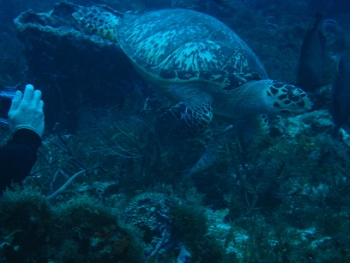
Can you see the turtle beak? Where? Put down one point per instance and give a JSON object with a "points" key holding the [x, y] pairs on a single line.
{"points": [[303, 102]]}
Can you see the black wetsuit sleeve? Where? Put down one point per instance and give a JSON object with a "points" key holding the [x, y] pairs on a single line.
{"points": [[18, 157]]}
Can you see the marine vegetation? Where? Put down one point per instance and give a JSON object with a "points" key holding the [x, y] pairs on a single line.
{"points": [[111, 185], [82, 230]]}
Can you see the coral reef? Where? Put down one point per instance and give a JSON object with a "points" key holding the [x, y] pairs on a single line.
{"points": [[82, 230], [109, 187], [64, 72]]}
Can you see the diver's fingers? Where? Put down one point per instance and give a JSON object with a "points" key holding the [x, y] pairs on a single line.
{"points": [[16, 101], [36, 97], [40, 105], [28, 93]]}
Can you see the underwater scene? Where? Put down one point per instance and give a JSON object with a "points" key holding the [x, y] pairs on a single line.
{"points": [[180, 131]]}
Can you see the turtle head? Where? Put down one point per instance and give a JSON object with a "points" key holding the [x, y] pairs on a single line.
{"points": [[98, 20], [287, 98]]}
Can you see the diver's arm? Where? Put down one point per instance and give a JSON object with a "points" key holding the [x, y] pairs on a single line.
{"points": [[18, 157], [26, 123]]}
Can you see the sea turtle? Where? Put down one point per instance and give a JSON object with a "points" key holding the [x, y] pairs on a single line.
{"points": [[197, 61]]}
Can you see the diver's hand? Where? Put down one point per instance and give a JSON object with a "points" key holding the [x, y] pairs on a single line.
{"points": [[27, 112]]}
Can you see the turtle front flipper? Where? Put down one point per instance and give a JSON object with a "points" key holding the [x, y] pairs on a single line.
{"points": [[193, 114], [187, 120], [256, 126]]}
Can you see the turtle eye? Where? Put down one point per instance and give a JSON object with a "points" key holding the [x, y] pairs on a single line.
{"points": [[293, 95]]}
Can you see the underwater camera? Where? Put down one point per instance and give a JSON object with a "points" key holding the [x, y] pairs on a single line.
{"points": [[6, 95]]}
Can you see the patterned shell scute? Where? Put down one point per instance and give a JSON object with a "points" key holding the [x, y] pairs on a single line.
{"points": [[179, 45]]}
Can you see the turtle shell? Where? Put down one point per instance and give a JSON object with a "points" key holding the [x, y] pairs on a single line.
{"points": [[179, 45]]}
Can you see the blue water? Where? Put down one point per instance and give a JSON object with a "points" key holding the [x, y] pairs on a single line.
{"points": [[143, 192]]}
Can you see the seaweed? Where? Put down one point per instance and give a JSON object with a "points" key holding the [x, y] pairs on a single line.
{"points": [[81, 230]]}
